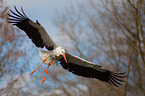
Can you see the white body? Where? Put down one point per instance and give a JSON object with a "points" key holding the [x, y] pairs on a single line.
{"points": [[53, 55]]}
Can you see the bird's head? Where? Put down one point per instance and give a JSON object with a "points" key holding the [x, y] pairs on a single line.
{"points": [[59, 51]]}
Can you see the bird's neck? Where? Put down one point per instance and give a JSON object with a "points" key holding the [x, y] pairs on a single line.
{"points": [[56, 53]]}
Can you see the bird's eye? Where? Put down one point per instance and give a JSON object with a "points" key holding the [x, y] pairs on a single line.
{"points": [[62, 51]]}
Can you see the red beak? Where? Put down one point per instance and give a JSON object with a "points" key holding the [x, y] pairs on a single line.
{"points": [[64, 57]]}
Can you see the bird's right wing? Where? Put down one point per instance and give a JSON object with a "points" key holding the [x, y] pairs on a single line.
{"points": [[35, 31], [88, 69]]}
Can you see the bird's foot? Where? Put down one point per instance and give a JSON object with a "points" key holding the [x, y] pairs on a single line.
{"points": [[32, 72], [42, 81], [46, 73]]}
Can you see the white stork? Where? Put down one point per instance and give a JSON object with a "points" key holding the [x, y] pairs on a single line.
{"points": [[72, 63]]}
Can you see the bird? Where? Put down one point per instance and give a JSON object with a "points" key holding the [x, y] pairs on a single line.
{"points": [[78, 66]]}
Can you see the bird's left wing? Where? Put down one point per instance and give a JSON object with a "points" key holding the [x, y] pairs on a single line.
{"points": [[88, 69], [35, 31]]}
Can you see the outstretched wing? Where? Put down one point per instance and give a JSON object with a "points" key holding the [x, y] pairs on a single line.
{"points": [[35, 31], [88, 69]]}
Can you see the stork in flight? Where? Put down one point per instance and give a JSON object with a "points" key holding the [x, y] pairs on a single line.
{"points": [[72, 63]]}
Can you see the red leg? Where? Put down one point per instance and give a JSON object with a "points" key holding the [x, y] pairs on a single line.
{"points": [[46, 73], [51, 62], [38, 66]]}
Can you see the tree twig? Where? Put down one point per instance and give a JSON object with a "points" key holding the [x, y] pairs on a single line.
{"points": [[128, 70]]}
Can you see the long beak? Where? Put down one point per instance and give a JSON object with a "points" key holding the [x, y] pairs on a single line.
{"points": [[64, 57]]}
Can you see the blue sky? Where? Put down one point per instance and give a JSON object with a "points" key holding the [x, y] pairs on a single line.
{"points": [[43, 10]]}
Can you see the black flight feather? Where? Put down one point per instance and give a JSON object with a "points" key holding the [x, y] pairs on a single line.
{"points": [[84, 68], [35, 31]]}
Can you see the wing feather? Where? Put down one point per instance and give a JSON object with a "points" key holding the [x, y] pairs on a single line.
{"points": [[35, 31], [88, 69]]}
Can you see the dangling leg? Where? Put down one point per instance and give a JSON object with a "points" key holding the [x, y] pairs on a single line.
{"points": [[38, 66], [46, 73]]}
